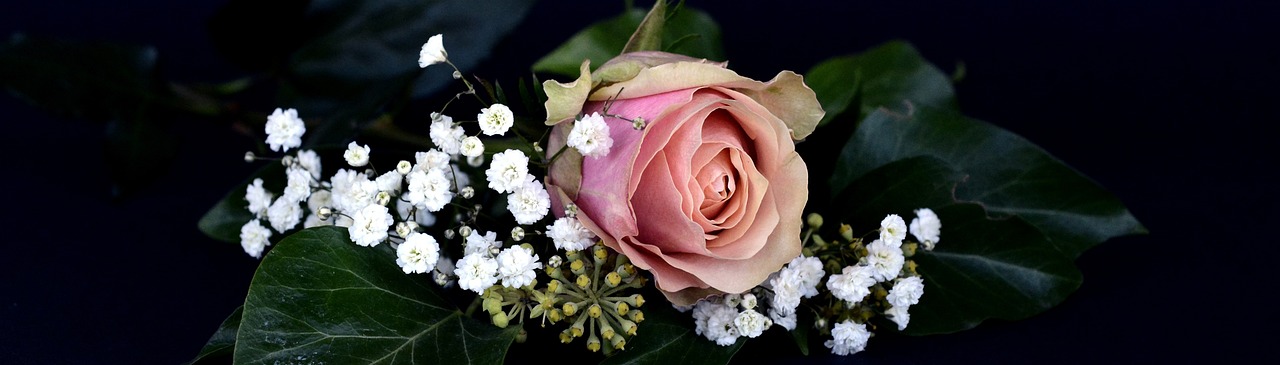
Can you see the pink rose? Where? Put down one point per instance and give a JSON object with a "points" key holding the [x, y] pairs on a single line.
{"points": [[708, 197]]}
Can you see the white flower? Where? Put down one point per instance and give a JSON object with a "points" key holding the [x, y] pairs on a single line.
{"points": [[809, 272], [284, 214], [284, 130], [749, 301], [352, 190], [418, 254], [259, 198], [517, 266], [477, 272], [254, 238], [568, 234], [751, 323], [787, 321], [298, 187], [432, 52], [404, 167], [786, 292], [444, 134], [529, 203], [508, 171], [421, 217], [885, 259], [356, 155], [369, 226], [475, 161], [390, 182], [926, 227], [309, 160], [848, 338], [431, 160], [495, 120], [472, 147], [480, 242], [898, 315], [906, 291], [429, 190], [319, 199], [590, 136], [852, 284], [715, 321], [893, 230]]}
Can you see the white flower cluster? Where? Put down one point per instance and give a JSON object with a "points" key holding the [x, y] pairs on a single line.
{"points": [[718, 319]]}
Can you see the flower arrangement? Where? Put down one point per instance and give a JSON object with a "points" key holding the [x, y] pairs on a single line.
{"points": [[647, 195]]}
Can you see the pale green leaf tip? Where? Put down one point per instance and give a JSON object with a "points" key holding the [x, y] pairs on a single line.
{"points": [[564, 101], [648, 36]]}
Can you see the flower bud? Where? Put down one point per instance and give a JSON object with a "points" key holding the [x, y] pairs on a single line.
{"points": [[606, 330], [846, 232], [555, 261], [814, 220], [517, 233], [500, 319], [475, 161], [594, 310], [618, 342], [467, 192], [404, 167], [522, 336], [325, 213], [448, 234], [383, 198], [638, 123], [464, 231], [636, 316], [566, 336], [583, 281], [622, 308], [612, 279], [286, 160], [570, 309], [457, 75], [249, 156]]}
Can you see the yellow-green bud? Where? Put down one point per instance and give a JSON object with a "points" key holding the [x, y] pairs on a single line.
{"points": [[600, 253], [911, 267], [570, 308], [846, 232], [909, 249], [583, 281], [636, 316], [880, 293], [522, 336], [814, 220], [578, 267], [628, 326], [594, 311], [555, 315], [553, 286], [566, 336], [606, 330], [619, 343], [492, 305], [622, 308], [593, 343], [637, 300], [578, 327], [613, 279], [500, 319]]}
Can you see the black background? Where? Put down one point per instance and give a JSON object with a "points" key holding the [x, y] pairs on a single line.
{"points": [[1163, 103]]}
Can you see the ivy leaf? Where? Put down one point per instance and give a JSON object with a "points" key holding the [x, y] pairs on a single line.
{"points": [[223, 221], [893, 75], [1007, 174], [319, 298], [982, 268], [686, 31], [667, 337], [222, 345]]}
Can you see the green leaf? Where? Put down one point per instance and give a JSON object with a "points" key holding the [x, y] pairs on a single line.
{"points": [[893, 76], [982, 268], [667, 337], [222, 345], [318, 298], [648, 35], [1007, 174], [223, 221], [686, 31]]}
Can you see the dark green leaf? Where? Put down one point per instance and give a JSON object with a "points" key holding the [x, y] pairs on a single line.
{"points": [[898, 188], [223, 221], [687, 31], [318, 298], [648, 35], [892, 76], [667, 337], [223, 343], [1007, 174]]}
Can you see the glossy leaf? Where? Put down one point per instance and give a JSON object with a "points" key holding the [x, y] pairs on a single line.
{"points": [[686, 31], [223, 343], [1007, 174], [318, 298], [893, 76], [982, 267], [667, 337], [223, 221]]}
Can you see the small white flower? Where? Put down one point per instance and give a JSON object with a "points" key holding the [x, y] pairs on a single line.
{"points": [[926, 227], [432, 52], [429, 190], [885, 260], [893, 230], [590, 136], [751, 323], [906, 292], [568, 234], [259, 198], [517, 266], [898, 315], [352, 191], [786, 292], [298, 187], [787, 321], [508, 171], [444, 134], [309, 160], [369, 226], [495, 120], [404, 167], [431, 160], [477, 272], [809, 272], [715, 321], [848, 338], [529, 203], [749, 301], [418, 254], [284, 214], [254, 238], [480, 242], [390, 182], [284, 130], [852, 284], [472, 147], [356, 155]]}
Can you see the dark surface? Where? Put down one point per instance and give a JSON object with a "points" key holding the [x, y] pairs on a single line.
{"points": [[1162, 104]]}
